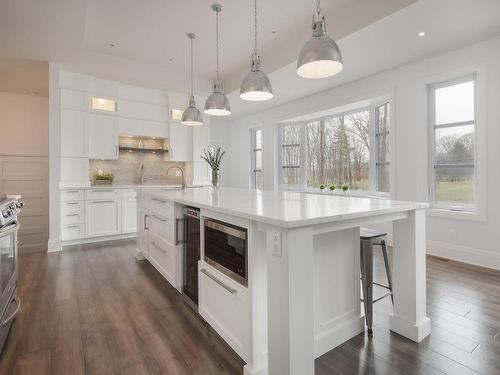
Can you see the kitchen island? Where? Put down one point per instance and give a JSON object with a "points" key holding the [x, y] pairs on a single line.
{"points": [[302, 297]]}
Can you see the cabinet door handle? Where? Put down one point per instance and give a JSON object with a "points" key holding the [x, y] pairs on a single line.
{"points": [[159, 218], [158, 200], [146, 222], [101, 190], [158, 247], [116, 150], [107, 201], [228, 288], [177, 240]]}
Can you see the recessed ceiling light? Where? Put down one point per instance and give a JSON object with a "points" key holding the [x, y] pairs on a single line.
{"points": [[170, 60], [274, 31], [112, 44], [421, 34]]}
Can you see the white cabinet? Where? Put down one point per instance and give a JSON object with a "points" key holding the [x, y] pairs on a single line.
{"points": [[102, 217], [74, 172], [141, 110], [181, 143], [143, 128], [143, 231], [103, 136], [72, 99], [129, 215], [74, 139], [225, 305]]}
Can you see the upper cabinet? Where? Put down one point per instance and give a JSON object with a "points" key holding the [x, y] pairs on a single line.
{"points": [[76, 100], [181, 143], [103, 136], [74, 137]]}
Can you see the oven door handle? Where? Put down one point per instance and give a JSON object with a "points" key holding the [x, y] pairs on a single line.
{"points": [[9, 229], [14, 313], [215, 279]]}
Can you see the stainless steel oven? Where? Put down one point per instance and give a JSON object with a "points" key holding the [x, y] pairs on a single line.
{"points": [[9, 301], [226, 249]]}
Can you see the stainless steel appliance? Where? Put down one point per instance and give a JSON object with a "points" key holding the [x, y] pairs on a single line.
{"points": [[226, 249], [191, 255], [9, 301]]}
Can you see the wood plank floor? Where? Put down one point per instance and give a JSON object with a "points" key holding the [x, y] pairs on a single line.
{"points": [[94, 309]]}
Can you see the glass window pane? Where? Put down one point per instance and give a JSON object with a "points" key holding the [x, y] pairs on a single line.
{"points": [[455, 103], [291, 155], [258, 159], [455, 186], [383, 118], [383, 147], [258, 138], [291, 176], [315, 158], [455, 145], [258, 180], [290, 135], [383, 178]]}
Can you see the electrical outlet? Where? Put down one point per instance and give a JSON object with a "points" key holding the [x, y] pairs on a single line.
{"points": [[277, 243]]}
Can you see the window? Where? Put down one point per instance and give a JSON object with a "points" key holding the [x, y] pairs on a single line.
{"points": [[102, 104], [290, 155], [336, 150], [382, 144], [452, 123], [257, 181]]}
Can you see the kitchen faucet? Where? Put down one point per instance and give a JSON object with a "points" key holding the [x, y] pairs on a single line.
{"points": [[182, 174]]}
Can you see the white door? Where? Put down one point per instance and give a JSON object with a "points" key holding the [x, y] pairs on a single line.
{"points": [[74, 134], [181, 143], [102, 217], [129, 215], [103, 136]]}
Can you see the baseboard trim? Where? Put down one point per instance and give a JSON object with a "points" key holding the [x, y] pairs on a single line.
{"points": [[477, 257], [54, 246], [326, 341], [98, 239]]}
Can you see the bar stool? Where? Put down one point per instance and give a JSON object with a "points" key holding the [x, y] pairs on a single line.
{"points": [[369, 238]]}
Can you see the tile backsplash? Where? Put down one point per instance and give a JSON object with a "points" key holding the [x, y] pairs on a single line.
{"points": [[126, 169]]}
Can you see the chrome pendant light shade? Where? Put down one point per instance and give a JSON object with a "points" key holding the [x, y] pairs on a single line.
{"points": [[256, 86], [320, 57], [217, 103], [191, 115]]}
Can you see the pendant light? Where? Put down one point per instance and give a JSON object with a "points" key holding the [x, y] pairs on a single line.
{"points": [[191, 115], [217, 103], [256, 86], [320, 57]]}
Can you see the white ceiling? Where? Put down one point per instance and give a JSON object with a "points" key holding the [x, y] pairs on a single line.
{"points": [[374, 35]]}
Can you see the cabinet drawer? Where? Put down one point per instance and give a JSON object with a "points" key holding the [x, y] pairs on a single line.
{"points": [[162, 206], [225, 305], [76, 207], [72, 231], [93, 194], [72, 195], [163, 255], [162, 227], [129, 193], [73, 218]]}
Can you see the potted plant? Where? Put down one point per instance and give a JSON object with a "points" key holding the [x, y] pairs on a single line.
{"points": [[214, 159], [345, 188], [332, 188], [321, 187], [103, 178]]}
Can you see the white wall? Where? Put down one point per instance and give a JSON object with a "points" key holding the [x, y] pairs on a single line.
{"points": [[466, 240]]}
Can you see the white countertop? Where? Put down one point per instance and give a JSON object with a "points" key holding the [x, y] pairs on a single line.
{"points": [[135, 187], [284, 208]]}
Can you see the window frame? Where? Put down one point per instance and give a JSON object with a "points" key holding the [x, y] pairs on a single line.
{"points": [[303, 149], [376, 143], [253, 157], [460, 210]]}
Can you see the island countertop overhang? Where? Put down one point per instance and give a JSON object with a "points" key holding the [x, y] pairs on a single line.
{"points": [[284, 208]]}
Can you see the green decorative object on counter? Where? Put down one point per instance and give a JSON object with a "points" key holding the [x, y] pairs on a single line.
{"points": [[322, 187], [103, 178], [214, 158], [345, 188], [332, 187]]}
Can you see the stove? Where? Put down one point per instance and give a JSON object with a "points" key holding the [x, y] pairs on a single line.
{"points": [[10, 207]]}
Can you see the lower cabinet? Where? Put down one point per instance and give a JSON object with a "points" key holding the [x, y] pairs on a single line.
{"points": [[143, 231], [225, 305], [102, 217], [129, 215], [162, 255]]}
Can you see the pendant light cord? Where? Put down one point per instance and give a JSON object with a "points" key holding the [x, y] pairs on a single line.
{"points": [[217, 37], [255, 28], [191, 66], [318, 7]]}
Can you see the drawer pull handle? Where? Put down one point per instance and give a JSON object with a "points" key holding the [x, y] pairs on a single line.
{"points": [[146, 222], [72, 203], [102, 191], [158, 247], [178, 239], [159, 218], [106, 201], [73, 226], [73, 191], [158, 200], [229, 289], [73, 215]]}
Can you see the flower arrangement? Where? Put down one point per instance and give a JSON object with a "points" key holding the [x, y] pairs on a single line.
{"points": [[214, 158], [104, 178]]}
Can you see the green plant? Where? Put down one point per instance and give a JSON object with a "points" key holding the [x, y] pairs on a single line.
{"points": [[345, 187], [332, 187], [213, 157], [104, 177], [321, 187]]}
